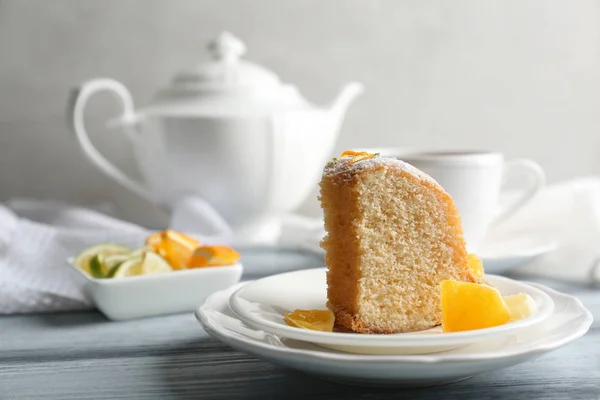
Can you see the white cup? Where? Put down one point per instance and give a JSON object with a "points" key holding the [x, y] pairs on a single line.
{"points": [[474, 179]]}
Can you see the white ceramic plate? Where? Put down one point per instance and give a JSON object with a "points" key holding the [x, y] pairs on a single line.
{"points": [[262, 304], [569, 321], [152, 295]]}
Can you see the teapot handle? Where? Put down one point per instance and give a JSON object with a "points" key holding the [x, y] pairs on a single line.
{"points": [[76, 107]]}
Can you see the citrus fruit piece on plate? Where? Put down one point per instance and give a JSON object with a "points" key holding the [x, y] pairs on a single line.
{"points": [[154, 264], [476, 265], [468, 306], [131, 267], [520, 305], [210, 256], [84, 258], [315, 320], [176, 248]]}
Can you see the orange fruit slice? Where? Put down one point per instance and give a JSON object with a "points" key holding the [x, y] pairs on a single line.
{"points": [[476, 265], [357, 155], [211, 256], [316, 320], [467, 306], [175, 247]]}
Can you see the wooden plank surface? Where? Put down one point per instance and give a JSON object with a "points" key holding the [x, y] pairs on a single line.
{"points": [[84, 356]]}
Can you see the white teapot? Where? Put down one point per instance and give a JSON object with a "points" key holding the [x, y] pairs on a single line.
{"points": [[228, 131]]}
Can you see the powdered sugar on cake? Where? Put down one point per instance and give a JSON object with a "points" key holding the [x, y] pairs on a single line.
{"points": [[345, 168]]}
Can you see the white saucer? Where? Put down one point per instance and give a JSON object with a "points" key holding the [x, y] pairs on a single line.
{"points": [[262, 304], [501, 254], [569, 321]]}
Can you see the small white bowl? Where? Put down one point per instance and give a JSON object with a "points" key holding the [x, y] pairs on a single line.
{"points": [[159, 294]]}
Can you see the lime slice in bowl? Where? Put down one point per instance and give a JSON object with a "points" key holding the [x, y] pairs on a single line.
{"points": [[83, 260], [114, 259], [151, 263], [155, 264], [130, 267], [97, 266]]}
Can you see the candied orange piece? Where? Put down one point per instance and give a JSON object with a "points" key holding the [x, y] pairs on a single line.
{"points": [[155, 239], [175, 247], [210, 256], [316, 320], [352, 153], [467, 306], [358, 155], [476, 265]]}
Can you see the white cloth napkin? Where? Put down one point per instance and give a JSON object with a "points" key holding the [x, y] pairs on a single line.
{"points": [[568, 213], [36, 237], [35, 240]]}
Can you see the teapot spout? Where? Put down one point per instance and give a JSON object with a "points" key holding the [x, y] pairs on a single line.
{"points": [[349, 92]]}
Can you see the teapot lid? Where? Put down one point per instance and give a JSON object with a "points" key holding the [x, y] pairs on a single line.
{"points": [[226, 85], [225, 70]]}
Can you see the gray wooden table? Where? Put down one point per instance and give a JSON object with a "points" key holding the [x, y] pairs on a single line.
{"points": [[84, 356]]}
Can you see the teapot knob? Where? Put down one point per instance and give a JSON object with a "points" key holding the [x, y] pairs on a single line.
{"points": [[227, 47]]}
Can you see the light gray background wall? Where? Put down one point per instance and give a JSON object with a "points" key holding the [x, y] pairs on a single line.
{"points": [[519, 76]]}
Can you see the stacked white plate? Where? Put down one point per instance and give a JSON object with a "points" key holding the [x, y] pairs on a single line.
{"points": [[249, 317]]}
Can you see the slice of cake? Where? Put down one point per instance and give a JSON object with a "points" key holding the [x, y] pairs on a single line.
{"points": [[393, 234]]}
